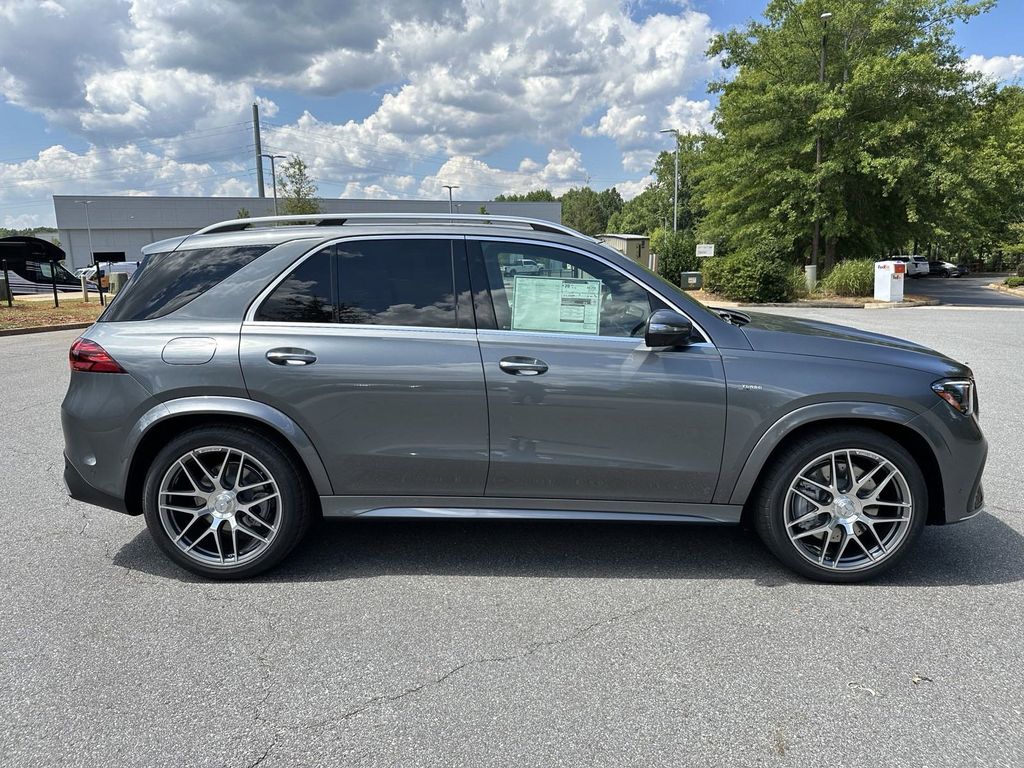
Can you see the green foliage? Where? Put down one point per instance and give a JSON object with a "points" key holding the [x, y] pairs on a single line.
{"points": [[1014, 282], [298, 189], [483, 210], [536, 196], [641, 215], [747, 276], [676, 253], [243, 213], [797, 283], [855, 277], [898, 114], [588, 211]]}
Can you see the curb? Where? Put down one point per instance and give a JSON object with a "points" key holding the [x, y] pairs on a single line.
{"points": [[43, 329], [1005, 289]]}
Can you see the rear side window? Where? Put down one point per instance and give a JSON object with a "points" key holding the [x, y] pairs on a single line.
{"points": [[396, 282], [305, 296], [168, 281]]}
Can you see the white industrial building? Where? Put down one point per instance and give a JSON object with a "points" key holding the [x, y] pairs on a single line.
{"points": [[122, 225]]}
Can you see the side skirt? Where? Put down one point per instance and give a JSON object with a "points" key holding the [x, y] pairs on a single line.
{"points": [[525, 509]]}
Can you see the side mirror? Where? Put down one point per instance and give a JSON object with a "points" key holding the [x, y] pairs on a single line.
{"points": [[666, 328]]}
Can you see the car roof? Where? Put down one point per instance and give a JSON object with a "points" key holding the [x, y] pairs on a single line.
{"points": [[266, 230]]}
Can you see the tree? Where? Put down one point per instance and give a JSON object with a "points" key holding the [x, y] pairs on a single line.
{"points": [[584, 209], [298, 189], [535, 196], [896, 98]]}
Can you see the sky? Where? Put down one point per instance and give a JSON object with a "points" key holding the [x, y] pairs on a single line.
{"points": [[382, 98]]}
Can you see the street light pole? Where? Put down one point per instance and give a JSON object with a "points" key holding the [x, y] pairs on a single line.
{"points": [[450, 187], [675, 190], [92, 257], [816, 238], [273, 175]]}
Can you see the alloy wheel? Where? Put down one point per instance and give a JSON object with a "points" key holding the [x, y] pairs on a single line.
{"points": [[220, 506], [848, 510]]}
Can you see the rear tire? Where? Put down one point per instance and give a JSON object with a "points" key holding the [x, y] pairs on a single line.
{"points": [[842, 505], [226, 502]]}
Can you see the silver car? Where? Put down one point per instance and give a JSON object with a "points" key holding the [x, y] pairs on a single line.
{"points": [[254, 377]]}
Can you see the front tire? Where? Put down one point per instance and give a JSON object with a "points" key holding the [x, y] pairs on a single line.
{"points": [[226, 502], [842, 505]]}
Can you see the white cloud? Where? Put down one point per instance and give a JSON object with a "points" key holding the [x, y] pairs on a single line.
{"points": [[998, 68]]}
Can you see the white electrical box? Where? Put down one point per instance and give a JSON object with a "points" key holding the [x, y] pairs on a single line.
{"points": [[889, 278]]}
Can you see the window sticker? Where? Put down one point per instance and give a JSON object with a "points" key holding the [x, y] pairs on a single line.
{"points": [[557, 304]]}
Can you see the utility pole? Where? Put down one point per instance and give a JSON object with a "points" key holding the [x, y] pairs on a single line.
{"points": [[816, 238], [675, 192], [450, 187], [259, 149], [273, 176]]}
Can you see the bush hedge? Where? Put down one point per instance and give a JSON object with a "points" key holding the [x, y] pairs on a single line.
{"points": [[855, 277], [747, 276], [1015, 282]]}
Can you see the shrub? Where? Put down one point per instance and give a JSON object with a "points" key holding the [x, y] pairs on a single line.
{"points": [[676, 253], [798, 283], [1020, 269], [746, 276], [1014, 282], [855, 277]]}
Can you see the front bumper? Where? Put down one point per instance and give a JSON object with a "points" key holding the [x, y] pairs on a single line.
{"points": [[961, 451]]}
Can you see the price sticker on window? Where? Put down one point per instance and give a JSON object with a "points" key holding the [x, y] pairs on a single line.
{"points": [[556, 304]]}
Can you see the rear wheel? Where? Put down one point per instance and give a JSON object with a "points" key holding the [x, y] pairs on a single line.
{"points": [[843, 505], [226, 502]]}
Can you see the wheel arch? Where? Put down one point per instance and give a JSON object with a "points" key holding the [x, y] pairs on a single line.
{"points": [[888, 420], [162, 423]]}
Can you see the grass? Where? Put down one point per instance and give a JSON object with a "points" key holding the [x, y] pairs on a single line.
{"points": [[31, 313]]}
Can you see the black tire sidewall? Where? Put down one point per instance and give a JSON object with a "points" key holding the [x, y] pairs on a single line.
{"points": [[296, 501], [770, 504]]}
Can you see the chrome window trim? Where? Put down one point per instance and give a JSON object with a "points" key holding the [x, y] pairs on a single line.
{"points": [[249, 319]]}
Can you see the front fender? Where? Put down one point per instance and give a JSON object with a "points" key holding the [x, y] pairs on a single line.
{"points": [[736, 492], [237, 407]]}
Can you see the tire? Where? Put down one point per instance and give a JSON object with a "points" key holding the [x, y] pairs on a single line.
{"points": [[883, 536], [198, 475]]}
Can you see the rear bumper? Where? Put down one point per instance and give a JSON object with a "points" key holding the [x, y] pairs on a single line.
{"points": [[80, 490]]}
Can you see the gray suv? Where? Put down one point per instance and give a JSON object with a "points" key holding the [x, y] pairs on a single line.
{"points": [[254, 377]]}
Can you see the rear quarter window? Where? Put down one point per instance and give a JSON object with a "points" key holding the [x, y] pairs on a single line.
{"points": [[165, 282]]}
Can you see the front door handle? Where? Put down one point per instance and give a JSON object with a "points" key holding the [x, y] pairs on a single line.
{"points": [[291, 356], [523, 366]]}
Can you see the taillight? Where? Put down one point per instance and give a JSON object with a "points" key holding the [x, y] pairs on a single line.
{"points": [[89, 356]]}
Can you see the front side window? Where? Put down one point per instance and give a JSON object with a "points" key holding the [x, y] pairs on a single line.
{"points": [[396, 282], [306, 295], [538, 288]]}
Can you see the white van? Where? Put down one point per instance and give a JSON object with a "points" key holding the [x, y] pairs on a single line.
{"points": [[109, 267], [917, 266]]}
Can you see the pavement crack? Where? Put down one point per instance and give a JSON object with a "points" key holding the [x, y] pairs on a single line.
{"points": [[526, 652]]}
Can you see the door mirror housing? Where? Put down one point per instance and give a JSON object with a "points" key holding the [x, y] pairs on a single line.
{"points": [[667, 328]]}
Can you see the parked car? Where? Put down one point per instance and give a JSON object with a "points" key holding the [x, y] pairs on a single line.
{"points": [[947, 269], [253, 377], [521, 266], [107, 268], [917, 266]]}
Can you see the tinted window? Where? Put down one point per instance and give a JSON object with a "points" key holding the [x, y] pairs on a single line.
{"points": [[538, 288], [168, 281], [396, 282], [305, 296]]}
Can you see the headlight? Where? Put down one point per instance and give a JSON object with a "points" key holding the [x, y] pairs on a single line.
{"points": [[959, 393]]}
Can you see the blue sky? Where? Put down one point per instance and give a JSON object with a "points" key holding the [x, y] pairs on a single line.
{"points": [[388, 98]]}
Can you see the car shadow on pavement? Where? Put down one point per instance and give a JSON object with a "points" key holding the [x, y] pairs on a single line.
{"points": [[981, 551]]}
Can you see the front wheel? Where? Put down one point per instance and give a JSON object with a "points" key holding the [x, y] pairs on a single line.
{"points": [[843, 505], [226, 502]]}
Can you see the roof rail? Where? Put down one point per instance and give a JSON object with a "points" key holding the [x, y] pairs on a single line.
{"points": [[339, 219]]}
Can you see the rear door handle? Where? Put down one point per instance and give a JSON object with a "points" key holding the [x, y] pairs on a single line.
{"points": [[523, 366], [291, 356]]}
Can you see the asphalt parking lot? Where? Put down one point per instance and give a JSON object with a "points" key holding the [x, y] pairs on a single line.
{"points": [[518, 644], [970, 291]]}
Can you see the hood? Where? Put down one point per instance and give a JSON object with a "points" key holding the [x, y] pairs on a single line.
{"points": [[797, 336]]}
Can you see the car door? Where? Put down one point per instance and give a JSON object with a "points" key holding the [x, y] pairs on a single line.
{"points": [[369, 348], [579, 407]]}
